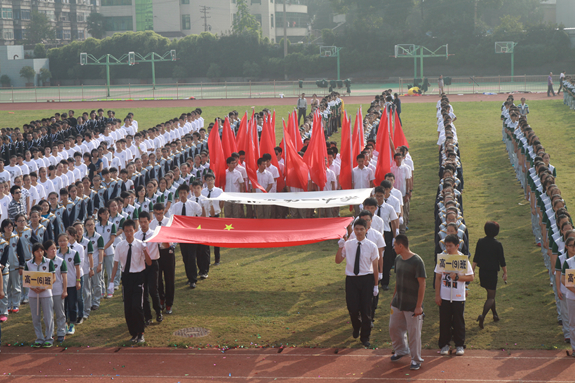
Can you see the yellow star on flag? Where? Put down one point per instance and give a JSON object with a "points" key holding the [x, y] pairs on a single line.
{"points": [[199, 227], [228, 227]]}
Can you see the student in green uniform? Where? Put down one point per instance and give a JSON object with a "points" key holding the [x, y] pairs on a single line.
{"points": [[59, 290], [41, 298], [72, 259], [98, 244], [108, 231]]}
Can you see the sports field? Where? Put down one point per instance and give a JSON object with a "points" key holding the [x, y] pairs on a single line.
{"points": [[295, 296]]}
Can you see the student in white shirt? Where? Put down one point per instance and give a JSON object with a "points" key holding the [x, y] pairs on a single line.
{"points": [[266, 181], [211, 208], [362, 177]]}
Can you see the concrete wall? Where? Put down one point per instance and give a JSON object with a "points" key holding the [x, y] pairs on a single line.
{"points": [[10, 66], [565, 13]]}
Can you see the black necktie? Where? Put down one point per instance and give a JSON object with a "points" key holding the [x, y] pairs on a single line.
{"points": [[209, 193], [197, 199], [129, 259], [143, 237], [379, 211], [183, 208], [356, 265]]}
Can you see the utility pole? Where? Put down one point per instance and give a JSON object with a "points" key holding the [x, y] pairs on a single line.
{"points": [[204, 10], [285, 34]]}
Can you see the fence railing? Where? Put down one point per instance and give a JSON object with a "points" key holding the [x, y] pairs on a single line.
{"points": [[270, 89]]}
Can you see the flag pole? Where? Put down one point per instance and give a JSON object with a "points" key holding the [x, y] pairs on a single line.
{"points": [[285, 151]]}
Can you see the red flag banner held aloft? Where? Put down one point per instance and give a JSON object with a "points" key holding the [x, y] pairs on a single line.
{"points": [[217, 156], [316, 153], [399, 137], [252, 158], [356, 140], [241, 137], [267, 145], [250, 233], [296, 169], [228, 140], [384, 159], [345, 153]]}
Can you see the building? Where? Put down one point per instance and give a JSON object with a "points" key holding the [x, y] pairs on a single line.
{"points": [[68, 17], [560, 12], [12, 60], [179, 18]]}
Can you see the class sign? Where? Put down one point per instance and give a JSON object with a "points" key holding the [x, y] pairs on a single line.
{"points": [[570, 278], [452, 263], [37, 279]]}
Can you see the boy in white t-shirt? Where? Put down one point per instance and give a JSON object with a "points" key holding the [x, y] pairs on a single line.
{"points": [[450, 297]]}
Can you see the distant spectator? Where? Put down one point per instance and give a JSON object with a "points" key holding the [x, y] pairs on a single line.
{"points": [[550, 84]]}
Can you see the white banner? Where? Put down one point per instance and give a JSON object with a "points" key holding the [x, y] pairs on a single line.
{"points": [[302, 200]]}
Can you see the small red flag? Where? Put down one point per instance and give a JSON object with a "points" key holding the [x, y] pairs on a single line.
{"points": [[296, 169], [345, 153], [217, 156], [384, 159], [252, 160], [399, 137], [316, 153], [228, 140]]}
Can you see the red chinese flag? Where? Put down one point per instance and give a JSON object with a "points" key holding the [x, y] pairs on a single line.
{"points": [[273, 125], [217, 156], [316, 154], [361, 133], [384, 159], [252, 160], [250, 233], [294, 132], [228, 140], [296, 170], [345, 153], [399, 137]]}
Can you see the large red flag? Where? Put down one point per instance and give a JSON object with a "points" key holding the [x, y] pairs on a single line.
{"points": [[357, 147], [294, 131], [296, 170], [345, 153], [252, 161], [384, 159], [316, 153], [228, 140], [273, 125], [267, 145], [399, 137], [217, 156], [250, 233]]}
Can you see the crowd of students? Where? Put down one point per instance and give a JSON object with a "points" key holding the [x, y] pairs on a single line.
{"points": [[551, 223], [75, 190]]}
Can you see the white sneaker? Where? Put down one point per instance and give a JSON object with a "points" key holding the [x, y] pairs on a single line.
{"points": [[445, 350], [460, 351]]}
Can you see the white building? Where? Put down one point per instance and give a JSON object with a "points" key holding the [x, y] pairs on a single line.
{"points": [[178, 18], [12, 60]]}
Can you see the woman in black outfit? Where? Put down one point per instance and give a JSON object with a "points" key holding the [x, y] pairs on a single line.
{"points": [[489, 257]]}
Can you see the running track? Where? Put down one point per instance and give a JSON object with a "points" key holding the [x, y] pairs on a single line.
{"points": [[81, 105], [141, 364]]}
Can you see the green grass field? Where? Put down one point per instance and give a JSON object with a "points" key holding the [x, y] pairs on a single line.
{"points": [[295, 296]]}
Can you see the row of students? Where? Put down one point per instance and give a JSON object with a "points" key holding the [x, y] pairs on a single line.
{"points": [[551, 223]]}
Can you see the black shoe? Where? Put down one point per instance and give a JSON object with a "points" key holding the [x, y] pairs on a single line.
{"points": [[480, 320], [187, 283], [94, 308], [567, 340], [80, 320], [159, 318], [134, 339], [147, 322], [193, 286], [366, 343], [495, 318], [355, 333], [140, 339], [560, 322], [216, 264], [415, 366], [385, 287], [396, 357]]}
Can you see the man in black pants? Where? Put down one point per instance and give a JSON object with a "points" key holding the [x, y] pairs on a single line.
{"points": [[301, 108], [361, 278], [151, 273], [190, 251], [131, 253], [167, 263]]}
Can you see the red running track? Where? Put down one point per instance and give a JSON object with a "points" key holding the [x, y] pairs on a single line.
{"points": [[141, 364]]}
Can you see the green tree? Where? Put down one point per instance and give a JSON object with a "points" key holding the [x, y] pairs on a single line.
{"points": [[252, 70], [179, 72], [28, 73], [244, 21], [40, 29], [214, 72], [44, 75], [510, 27], [328, 37], [39, 51], [96, 25], [5, 80]]}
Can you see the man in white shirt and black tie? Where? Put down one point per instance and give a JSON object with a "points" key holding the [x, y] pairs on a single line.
{"points": [[212, 208], [390, 228], [151, 273], [361, 278], [133, 256], [189, 251], [361, 177], [167, 262]]}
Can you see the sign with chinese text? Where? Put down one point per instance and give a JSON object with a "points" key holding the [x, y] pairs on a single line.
{"points": [[570, 278], [452, 263], [37, 279]]}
